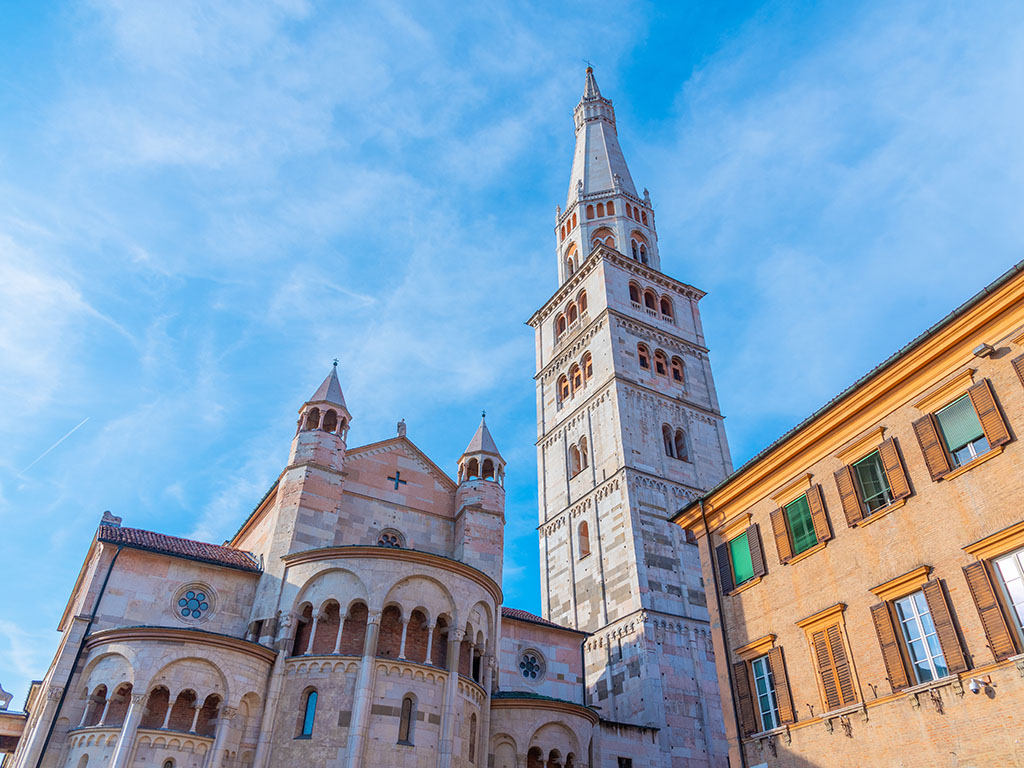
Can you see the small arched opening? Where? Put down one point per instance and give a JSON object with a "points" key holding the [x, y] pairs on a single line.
{"points": [[679, 443], [677, 370], [330, 421], [666, 307], [583, 539], [584, 460], [634, 293], [353, 631], [574, 461], [590, 211], [183, 712], [587, 364], [157, 707], [563, 388], [302, 630], [667, 439], [576, 376], [313, 418], [488, 472], [389, 642], [650, 300], [600, 210], [611, 208], [660, 363], [405, 720], [643, 355], [308, 715]]}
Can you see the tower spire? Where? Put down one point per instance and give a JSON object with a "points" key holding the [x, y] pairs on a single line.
{"points": [[603, 206]]}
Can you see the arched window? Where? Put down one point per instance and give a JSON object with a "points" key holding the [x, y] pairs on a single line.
{"points": [[405, 723], [636, 213], [666, 307], [588, 367], [488, 469], [677, 370], [563, 231], [643, 216], [643, 253], [569, 267], [660, 363], [574, 314], [634, 293], [581, 301], [563, 388], [584, 461], [666, 436], [330, 421], [560, 325], [609, 241], [600, 210], [308, 715], [650, 300], [85, 761], [590, 211], [636, 251], [167, 764], [611, 208], [574, 461], [574, 220], [576, 375], [472, 738], [583, 538], [643, 356], [680, 445], [313, 418]]}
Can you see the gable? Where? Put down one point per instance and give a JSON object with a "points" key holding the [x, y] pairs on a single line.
{"points": [[398, 472]]}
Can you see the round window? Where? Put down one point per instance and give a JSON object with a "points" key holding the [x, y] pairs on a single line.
{"points": [[531, 665], [389, 539], [193, 602]]}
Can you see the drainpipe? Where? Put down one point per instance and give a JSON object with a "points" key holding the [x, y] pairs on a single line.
{"points": [[78, 657], [721, 622]]}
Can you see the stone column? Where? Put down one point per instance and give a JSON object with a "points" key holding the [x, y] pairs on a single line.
{"points": [[405, 633], [126, 740], [167, 714], [430, 643], [444, 754], [483, 741], [341, 627], [364, 694], [35, 740], [224, 718], [312, 633], [266, 732], [195, 716], [106, 708]]}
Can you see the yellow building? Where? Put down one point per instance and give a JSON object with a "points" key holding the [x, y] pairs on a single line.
{"points": [[869, 565]]}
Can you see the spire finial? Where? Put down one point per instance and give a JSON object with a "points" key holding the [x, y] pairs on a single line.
{"points": [[335, 362], [483, 415]]}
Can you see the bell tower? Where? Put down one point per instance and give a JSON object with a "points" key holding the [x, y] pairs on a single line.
{"points": [[629, 431]]}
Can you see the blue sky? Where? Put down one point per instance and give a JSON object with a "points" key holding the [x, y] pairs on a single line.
{"points": [[202, 204]]}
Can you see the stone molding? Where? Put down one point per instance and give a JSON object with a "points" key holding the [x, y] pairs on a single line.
{"points": [[550, 705], [174, 635], [658, 337], [406, 555]]}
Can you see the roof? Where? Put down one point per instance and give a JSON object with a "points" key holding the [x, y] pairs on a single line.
{"points": [[530, 695], [598, 158], [482, 441], [161, 543], [330, 390], [520, 615], [899, 354]]}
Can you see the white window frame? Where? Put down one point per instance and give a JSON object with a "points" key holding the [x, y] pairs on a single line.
{"points": [[761, 669], [915, 618], [1014, 559]]}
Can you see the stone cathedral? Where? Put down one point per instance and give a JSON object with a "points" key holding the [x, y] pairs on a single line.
{"points": [[356, 618]]}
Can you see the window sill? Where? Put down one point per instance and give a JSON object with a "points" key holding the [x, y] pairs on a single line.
{"points": [[917, 693], [763, 736], [744, 586], [990, 454], [807, 553], [832, 715], [880, 513], [583, 557]]}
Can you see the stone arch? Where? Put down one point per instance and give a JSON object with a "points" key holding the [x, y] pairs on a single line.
{"points": [[201, 676], [313, 418], [339, 583], [110, 669], [420, 591], [555, 735], [503, 747], [330, 420]]}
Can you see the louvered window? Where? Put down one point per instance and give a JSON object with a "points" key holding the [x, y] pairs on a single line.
{"points": [[739, 554], [874, 486], [921, 637], [962, 431], [764, 689], [1011, 573], [801, 527]]}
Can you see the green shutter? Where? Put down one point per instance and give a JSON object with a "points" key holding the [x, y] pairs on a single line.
{"points": [[801, 525], [959, 423], [742, 565]]}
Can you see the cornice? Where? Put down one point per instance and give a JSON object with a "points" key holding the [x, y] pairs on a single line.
{"points": [[899, 382], [403, 555], [178, 635], [549, 705], [656, 335]]}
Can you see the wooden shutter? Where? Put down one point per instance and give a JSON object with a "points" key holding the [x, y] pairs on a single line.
{"points": [[897, 476], [756, 552], [984, 401], [786, 712], [852, 507], [826, 671], [781, 531], [744, 698], [891, 655], [935, 456], [1018, 366], [944, 627], [844, 672], [1000, 638], [818, 516], [725, 580]]}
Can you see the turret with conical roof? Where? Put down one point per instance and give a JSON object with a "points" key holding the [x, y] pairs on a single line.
{"points": [[323, 425], [480, 504], [603, 206]]}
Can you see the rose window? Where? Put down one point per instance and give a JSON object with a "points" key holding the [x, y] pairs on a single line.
{"points": [[389, 540], [531, 665], [193, 603]]}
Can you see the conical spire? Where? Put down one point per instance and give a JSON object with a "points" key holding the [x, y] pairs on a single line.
{"points": [[330, 390], [482, 441], [590, 89]]}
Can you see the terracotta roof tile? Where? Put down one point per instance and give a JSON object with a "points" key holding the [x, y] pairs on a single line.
{"points": [[521, 615], [172, 545]]}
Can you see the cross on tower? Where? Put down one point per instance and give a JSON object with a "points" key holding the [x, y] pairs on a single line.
{"points": [[398, 479]]}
